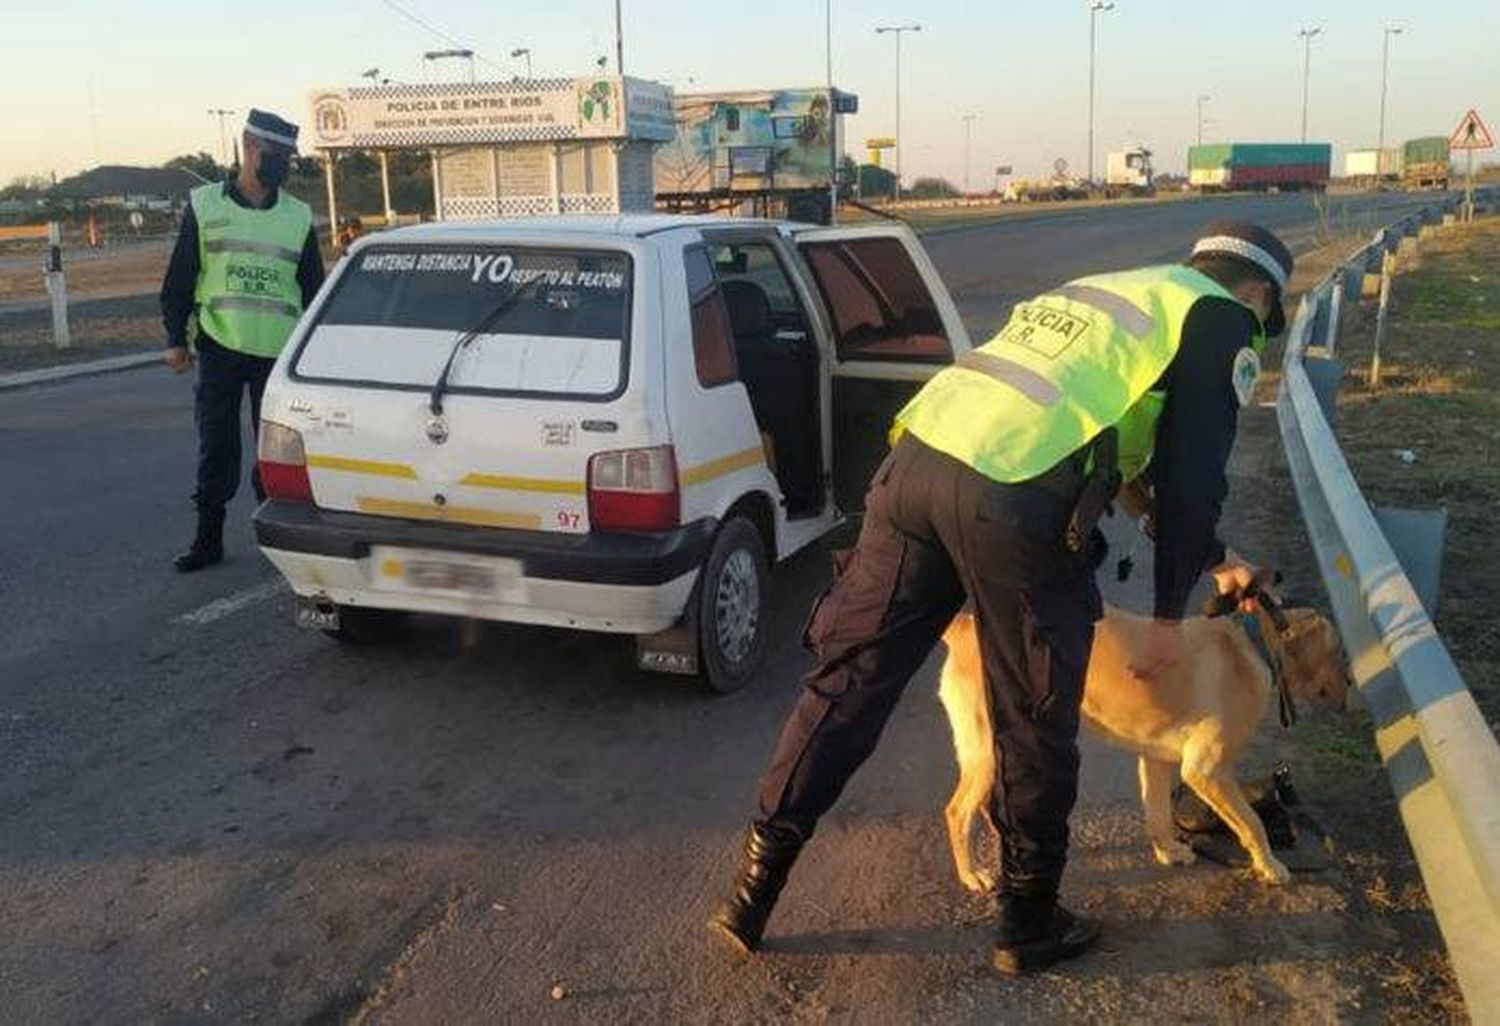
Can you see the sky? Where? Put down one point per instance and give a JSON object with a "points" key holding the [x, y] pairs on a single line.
{"points": [[85, 82]]}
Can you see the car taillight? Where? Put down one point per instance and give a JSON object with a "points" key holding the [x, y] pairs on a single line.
{"points": [[283, 463], [634, 490]]}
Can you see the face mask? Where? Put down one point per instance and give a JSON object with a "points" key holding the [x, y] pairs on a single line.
{"points": [[273, 168]]}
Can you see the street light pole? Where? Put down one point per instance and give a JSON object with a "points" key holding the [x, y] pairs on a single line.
{"points": [[524, 51], [1385, 61], [898, 30], [833, 117], [1202, 99], [1095, 8], [1307, 38], [468, 55], [221, 114], [969, 120]]}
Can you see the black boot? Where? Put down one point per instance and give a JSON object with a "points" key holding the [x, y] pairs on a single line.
{"points": [[1035, 931], [769, 854], [208, 544]]}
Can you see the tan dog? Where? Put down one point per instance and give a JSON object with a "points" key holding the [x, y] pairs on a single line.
{"points": [[1200, 715]]}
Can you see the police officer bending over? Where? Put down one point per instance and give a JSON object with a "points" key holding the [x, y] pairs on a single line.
{"points": [[1001, 466], [247, 263]]}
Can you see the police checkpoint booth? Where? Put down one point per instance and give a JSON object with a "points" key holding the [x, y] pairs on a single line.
{"points": [[520, 148]]}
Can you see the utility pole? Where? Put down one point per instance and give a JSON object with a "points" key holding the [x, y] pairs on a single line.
{"points": [[222, 113], [898, 30], [1202, 99], [619, 42], [1307, 38], [969, 120], [1096, 7], [1385, 62]]}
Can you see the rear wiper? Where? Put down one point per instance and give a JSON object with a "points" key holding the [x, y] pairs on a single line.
{"points": [[435, 402]]}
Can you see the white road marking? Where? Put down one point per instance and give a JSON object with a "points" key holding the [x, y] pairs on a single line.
{"points": [[230, 604]]}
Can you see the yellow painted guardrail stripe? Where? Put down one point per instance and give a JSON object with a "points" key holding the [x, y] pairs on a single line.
{"points": [[354, 466], [448, 514], [723, 465], [524, 484]]}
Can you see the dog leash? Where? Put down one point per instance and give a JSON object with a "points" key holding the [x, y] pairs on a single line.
{"points": [[1223, 605], [1250, 624]]}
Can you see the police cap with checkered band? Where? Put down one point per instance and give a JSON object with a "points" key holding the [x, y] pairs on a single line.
{"points": [[1261, 249]]}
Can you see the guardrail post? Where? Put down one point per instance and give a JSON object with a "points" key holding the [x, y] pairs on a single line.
{"points": [[1335, 312], [57, 287], [1386, 267]]}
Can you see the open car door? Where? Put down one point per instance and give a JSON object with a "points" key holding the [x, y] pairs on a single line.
{"points": [[894, 326]]}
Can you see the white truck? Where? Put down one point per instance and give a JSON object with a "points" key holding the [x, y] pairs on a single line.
{"points": [[1128, 173]]}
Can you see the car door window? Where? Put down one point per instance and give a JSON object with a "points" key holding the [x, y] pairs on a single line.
{"points": [[882, 309], [713, 340]]}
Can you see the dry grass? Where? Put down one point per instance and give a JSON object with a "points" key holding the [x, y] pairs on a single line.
{"points": [[1439, 403]]}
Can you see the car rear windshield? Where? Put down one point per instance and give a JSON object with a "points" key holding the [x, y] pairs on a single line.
{"points": [[556, 321]]}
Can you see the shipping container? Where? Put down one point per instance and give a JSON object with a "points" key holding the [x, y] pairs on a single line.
{"points": [[1426, 162], [1260, 166]]}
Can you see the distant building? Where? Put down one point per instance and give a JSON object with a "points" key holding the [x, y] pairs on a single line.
{"points": [[133, 188]]}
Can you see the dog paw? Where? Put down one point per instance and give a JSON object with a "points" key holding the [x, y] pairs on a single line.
{"points": [[1273, 871], [980, 881], [1174, 853]]}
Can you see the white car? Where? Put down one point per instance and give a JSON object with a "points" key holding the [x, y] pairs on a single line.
{"points": [[608, 423]]}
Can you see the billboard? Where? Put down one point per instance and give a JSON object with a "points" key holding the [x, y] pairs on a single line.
{"points": [[752, 141], [455, 114]]}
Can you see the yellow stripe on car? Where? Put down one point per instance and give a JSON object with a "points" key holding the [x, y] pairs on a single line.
{"points": [[524, 484], [448, 514], [723, 465], [354, 466]]}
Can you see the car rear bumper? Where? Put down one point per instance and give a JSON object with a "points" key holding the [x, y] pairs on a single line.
{"points": [[608, 582]]}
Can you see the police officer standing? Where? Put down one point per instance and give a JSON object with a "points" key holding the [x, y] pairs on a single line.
{"points": [[247, 264], [1002, 464]]}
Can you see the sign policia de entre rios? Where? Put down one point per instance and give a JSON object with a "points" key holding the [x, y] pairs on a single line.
{"points": [[448, 114]]}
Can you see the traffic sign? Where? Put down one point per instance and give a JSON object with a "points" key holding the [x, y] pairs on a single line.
{"points": [[1471, 134]]}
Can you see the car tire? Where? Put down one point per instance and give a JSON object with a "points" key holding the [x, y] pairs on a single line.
{"points": [[364, 626], [733, 601]]}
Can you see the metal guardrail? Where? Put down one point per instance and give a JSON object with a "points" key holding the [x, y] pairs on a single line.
{"points": [[1440, 755]]}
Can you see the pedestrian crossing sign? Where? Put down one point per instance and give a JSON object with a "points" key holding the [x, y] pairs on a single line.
{"points": [[1471, 134]]}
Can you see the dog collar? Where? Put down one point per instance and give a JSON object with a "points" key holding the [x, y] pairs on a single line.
{"points": [[1250, 623]]}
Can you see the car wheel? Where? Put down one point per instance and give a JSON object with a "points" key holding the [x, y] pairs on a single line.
{"points": [[733, 598], [361, 625]]}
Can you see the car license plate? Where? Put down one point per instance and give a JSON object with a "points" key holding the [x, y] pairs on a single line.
{"points": [[449, 572], [435, 576], [318, 616]]}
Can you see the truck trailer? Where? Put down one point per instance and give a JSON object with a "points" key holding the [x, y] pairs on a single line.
{"points": [[1221, 167], [1425, 162]]}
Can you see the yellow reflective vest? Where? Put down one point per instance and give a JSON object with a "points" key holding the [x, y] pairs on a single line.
{"points": [[1067, 365], [247, 294]]}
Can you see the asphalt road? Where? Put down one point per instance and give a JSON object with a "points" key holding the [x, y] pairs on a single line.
{"points": [[208, 815]]}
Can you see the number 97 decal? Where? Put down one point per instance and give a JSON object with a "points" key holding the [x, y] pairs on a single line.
{"points": [[569, 519]]}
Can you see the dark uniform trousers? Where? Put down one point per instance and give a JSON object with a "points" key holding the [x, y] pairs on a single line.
{"points": [[224, 375], [934, 530]]}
